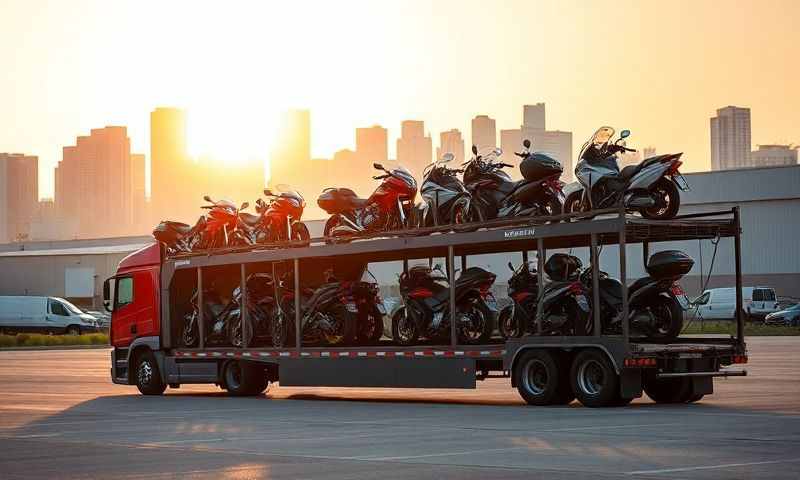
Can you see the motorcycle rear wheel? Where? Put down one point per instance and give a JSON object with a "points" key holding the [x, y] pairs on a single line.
{"points": [[573, 203], [668, 191], [346, 331], [300, 234], [669, 315]]}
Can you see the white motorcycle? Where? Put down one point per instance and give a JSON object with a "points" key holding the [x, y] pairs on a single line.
{"points": [[651, 188]]}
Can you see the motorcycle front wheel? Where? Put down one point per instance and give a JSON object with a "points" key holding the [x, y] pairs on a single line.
{"points": [[300, 234], [475, 326], [404, 328], [508, 325], [667, 191], [282, 330], [344, 331], [189, 334]]}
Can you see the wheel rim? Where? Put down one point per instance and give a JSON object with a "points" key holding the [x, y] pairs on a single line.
{"points": [[406, 327], [663, 318], [665, 197], [473, 323], [145, 373], [508, 326], [234, 376], [535, 377], [591, 377]]}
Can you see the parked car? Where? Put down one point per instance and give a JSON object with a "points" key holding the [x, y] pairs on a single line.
{"points": [[789, 316], [49, 315], [720, 303], [103, 318]]}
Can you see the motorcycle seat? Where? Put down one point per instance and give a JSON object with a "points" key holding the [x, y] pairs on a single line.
{"points": [[629, 171], [249, 219], [358, 202]]}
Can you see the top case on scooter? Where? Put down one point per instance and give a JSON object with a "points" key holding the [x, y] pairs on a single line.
{"points": [[538, 165], [669, 264], [561, 267], [337, 200]]}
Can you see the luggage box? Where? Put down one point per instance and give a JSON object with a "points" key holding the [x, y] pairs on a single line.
{"points": [[561, 267], [669, 264], [540, 165], [335, 200]]}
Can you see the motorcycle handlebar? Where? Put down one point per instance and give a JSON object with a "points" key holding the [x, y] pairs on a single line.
{"points": [[520, 154]]}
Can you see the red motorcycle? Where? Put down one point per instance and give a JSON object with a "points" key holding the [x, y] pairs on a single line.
{"points": [[224, 226], [279, 220], [386, 209]]}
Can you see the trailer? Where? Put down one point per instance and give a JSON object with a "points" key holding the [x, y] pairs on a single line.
{"points": [[150, 291]]}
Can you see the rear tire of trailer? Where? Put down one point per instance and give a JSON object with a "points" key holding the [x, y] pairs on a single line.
{"points": [[148, 376], [539, 378], [594, 380], [668, 390], [241, 379]]}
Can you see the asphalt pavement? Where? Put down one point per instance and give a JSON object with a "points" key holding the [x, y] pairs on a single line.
{"points": [[61, 417]]}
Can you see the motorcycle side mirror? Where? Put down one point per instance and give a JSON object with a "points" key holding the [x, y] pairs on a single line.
{"points": [[267, 192], [377, 166], [207, 199], [244, 205], [625, 134], [474, 150], [526, 143], [510, 266]]}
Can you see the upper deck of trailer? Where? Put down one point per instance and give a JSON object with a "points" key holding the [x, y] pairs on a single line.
{"points": [[495, 236]]}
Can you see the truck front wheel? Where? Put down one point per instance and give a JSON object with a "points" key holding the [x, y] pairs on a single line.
{"points": [[148, 377]]}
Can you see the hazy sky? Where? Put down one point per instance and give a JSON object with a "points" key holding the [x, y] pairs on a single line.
{"points": [[660, 68]]}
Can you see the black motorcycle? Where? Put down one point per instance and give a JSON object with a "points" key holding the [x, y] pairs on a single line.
{"points": [[426, 306], [261, 309], [213, 305], [497, 196], [654, 310], [445, 198], [515, 320], [563, 305], [329, 314], [370, 311], [179, 237]]}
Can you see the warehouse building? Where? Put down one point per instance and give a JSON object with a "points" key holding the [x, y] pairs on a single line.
{"points": [[769, 199]]}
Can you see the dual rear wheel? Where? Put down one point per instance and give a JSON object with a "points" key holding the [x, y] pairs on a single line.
{"points": [[545, 377]]}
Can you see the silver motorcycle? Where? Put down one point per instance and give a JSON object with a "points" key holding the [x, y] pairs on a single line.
{"points": [[651, 188]]}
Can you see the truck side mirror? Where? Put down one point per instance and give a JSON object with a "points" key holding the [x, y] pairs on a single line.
{"points": [[107, 303], [510, 266]]}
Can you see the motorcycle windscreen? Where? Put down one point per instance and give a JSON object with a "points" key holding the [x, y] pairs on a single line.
{"points": [[590, 173]]}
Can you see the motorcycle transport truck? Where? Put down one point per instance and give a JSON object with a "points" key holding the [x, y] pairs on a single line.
{"points": [[151, 294]]}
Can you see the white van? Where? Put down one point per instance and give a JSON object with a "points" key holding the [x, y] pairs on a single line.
{"points": [[720, 303], [44, 315]]}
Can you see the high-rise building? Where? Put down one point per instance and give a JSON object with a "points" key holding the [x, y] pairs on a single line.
{"points": [[772, 155], [291, 156], [174, 193], [730, 138], [94, 187], [19, 195], [141, 211], [484, 133], [510, 142], [414, 149], [533, 116], [371, 145], [451, 142]]}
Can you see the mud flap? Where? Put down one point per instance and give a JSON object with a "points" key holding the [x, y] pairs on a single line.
{"points": [[630, 383]]}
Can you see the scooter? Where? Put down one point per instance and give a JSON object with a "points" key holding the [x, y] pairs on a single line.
{"points": [[445, 198], [654, 311], [496, 195], [386, 209], [426, 306], [650, 188]]}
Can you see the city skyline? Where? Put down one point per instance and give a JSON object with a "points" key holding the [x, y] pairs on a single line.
{"points": [[235, 83]]}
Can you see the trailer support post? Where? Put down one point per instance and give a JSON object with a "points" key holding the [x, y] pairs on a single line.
{"points": [[298, 334], [451, 277], [243, 314], [737, 246], [539, 277], [463, 263], [524, 256], [646, 255], [595, 286], [623, 278], [201, 331]]}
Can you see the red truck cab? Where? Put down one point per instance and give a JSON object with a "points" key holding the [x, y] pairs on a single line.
{"points": [[132, 297]]}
